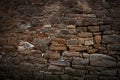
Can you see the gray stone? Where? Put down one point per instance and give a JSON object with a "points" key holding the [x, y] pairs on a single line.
{"points": [[60, 63], [51, 77], [38, 75], [102, 60], [78, 61], [92, 21], [108, 72], [74, 72], [91, 77], [105, 27], [93, 28], [53, 68], [85, 35], [111, 39], [76, 78], [64, 77], [73, 42], [114, 47], [108, 78], [81, 29]]}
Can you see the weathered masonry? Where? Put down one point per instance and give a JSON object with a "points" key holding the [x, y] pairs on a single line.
{"points": [[59, 39]]}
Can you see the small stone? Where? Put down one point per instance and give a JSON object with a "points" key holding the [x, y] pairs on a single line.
{"points": [[51, 55], [114, 47], [81, 29], [60, 63], [89, 41], [58, 47], [93, 28], [47, 26], [90, 16], [72, 42], [92, 50], [80, 61], [70, 54], [98, 39], [53, 68], [71, 26], [78, 48], [81, 41], [25, 45], [85, 35]]}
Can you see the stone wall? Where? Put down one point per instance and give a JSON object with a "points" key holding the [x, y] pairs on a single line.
{"points": [[59, 40]]}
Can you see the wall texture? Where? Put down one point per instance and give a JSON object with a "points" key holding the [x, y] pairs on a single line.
{"points": [[59, 40]]}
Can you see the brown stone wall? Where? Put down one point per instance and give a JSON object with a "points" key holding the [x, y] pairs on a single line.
{"points": [[59, 40]]}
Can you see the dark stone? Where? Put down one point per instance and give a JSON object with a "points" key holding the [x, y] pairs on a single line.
{"points": [[114, 47], [105, 27], [111, 39], [101, 60]]}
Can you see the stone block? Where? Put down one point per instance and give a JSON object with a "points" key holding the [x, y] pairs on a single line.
{"points": [[105, 27], [72, 42], [71, 26], [111, 39], [108, 78], [74, 72], [60, 63], [85, 35], [110, 72], [101, 60], [78, 48], [54, 68], [93, 28], [89, 41], [58, 47], [98, 39], [114, 47], [52, 55], [81, 29], [80, 61]]}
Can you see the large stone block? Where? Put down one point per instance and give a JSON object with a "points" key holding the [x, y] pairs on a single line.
{"points": [[111, 39], [102, 60], [114, 47]]}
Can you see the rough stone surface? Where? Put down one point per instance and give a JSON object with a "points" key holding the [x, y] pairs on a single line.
{"points": [[59, 40]]}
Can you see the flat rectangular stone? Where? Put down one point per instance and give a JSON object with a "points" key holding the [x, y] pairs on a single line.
{"points": [[89, 41], [114, 47], [105, 27], [78, 48], [93, 28], [58, 47], [85, 35], [111, 39], [72, 42]]}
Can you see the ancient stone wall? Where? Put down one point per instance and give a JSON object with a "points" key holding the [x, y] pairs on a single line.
{"points": [[59, 40]]}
